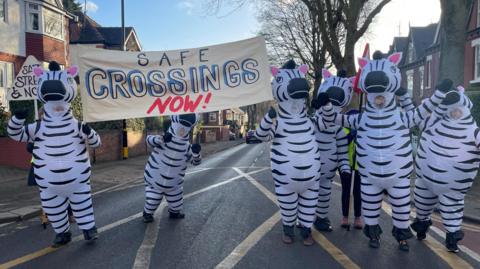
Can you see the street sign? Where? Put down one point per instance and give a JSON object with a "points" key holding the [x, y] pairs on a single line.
{"points": [[25, 84]]}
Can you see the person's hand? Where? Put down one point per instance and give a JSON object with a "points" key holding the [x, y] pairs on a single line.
{"points": [[86, 129], [401, 91], [21, 114], [167, 137], [272, 113], [196, 148], [445, 86], [322, 99]]}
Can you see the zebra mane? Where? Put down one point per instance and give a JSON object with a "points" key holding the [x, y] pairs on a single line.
{"points": [[289, 65]]}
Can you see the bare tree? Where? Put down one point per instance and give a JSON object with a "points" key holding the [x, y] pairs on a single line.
{"points": [[291, 32], [350, 18], [452, 39]]}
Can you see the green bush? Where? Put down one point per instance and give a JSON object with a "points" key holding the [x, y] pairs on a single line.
{"points": [[4, 117], [475, 98]]}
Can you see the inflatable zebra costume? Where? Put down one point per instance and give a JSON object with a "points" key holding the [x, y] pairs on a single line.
{"points": [[384, 153], [295, 157], [165, 169], [447, 162], [61, 161], [332, 143]]}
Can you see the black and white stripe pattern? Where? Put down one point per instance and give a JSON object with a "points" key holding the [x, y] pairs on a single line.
{"points": [[295, 158], [61, 161], [165, 169], [384, 153], [447, 162], [332, 140]]}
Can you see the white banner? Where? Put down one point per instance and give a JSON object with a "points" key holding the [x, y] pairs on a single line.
{"points": [[121, 85], [25, 83]]}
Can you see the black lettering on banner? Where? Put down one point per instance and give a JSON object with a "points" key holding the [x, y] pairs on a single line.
{"points": [[92, 91], [156, 86], [165, 57], [201, 54], [183, 56], [117, 79], [142, 59]]}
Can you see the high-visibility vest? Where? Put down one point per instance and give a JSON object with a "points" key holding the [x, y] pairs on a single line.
{"points": [[351, 150]]}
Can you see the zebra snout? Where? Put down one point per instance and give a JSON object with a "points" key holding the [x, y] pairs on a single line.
{"points": [[376, 82], [298, 88], [451, 98], [337, 95], [53, 90]]}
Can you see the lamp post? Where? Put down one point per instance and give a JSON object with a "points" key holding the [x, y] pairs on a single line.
{"points": [[124, 122]]}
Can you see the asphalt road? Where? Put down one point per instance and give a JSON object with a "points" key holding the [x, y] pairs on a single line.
{"points": [[231, 221]]}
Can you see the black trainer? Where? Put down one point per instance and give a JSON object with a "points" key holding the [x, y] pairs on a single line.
{"points": [[147, 218], [452, 239], [62, 239], [323, 225], [176, 215], [421, 227], [90, 235], [373, 232]]}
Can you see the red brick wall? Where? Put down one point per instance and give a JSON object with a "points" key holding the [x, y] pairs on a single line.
{"points": [[469, 64], [45, 48], [14, 153], [16, 60]]}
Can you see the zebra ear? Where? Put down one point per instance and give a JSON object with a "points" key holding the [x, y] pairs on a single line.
{"points": [[73, 70], [274, 70], [326, 73], [38, 71], [395, 58], [362, 62], [461, 89], [303, 69]]}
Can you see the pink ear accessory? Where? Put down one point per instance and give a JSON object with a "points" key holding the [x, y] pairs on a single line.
{"points": [[326, 73], [460, 88], [303, 69], [38, 71], [395, 58], [274, 70], [72, 70]]}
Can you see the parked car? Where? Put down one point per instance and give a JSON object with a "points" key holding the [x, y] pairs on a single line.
{"points": [[251, 138]]}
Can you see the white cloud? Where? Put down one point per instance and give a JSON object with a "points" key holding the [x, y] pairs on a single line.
{"points": [[91, 6], [187, 5]]}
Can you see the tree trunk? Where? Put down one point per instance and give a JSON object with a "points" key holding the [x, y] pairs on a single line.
{"points": [[452, 40]]}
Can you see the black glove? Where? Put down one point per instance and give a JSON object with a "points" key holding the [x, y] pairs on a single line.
{"points": [[445, 86], [315, 104], [21, 114], [196, 148], [401, 91], [167, 137], [323, 99], [272, 113], [30, 147], [345, 176], [86, 129]]}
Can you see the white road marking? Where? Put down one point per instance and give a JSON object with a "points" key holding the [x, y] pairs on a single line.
{"points": [[472, 254], [144, 252]]}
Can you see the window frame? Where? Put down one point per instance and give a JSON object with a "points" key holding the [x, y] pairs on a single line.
{"points": [[478, 14], [4, 4], [8, 77], [30, 10], [410, 83], [429, 73], [421, 74]]}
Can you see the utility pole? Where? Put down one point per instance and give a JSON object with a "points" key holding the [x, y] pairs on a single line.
{"points": [[124, 125]]}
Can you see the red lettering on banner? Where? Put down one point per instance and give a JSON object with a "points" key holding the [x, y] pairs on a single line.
{"points": [[176, 103]]}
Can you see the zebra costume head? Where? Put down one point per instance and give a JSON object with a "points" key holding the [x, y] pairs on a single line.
{"points": [[183, 124], [56, 88], [456, 105], [290, 88], [339, 88], [380, 79]]}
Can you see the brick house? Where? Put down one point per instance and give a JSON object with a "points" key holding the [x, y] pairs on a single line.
{"points": [[218, 124], [29, 27], [472, 48], [419, 65]]}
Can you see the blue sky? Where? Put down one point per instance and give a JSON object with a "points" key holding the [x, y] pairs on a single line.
{"points": [[175, 24]]}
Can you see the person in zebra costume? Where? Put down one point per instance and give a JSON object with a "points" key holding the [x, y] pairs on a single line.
{"points": [[165, 169], [295, 158], [447, 162], [384, 152], [332, 143], [61, 160]]}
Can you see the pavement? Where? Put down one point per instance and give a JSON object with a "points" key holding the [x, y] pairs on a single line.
{"points": [[232, 221], [18, 201]]}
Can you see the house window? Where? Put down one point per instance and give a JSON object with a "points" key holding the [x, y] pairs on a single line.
{"points": [[478, 14], [6, 81], [33, 17], [3, 10], [411, 53], [421, 73], [410, 82], [477, 63], [212, 117], [428, 83], [52, 24]]}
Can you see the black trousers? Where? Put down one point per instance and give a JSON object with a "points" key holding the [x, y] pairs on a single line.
{"points": [[357, 201]]}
